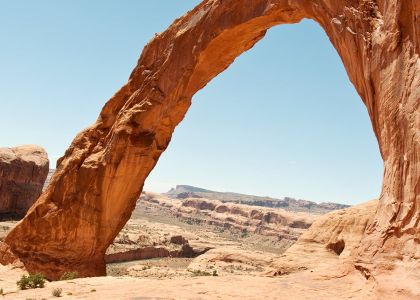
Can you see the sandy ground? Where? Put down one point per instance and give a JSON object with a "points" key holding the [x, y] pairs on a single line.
{"points": [[304, 285]]}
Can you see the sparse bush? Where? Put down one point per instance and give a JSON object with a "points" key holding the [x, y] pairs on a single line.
{"points": [[244, 233], [23, 283], [32, 281], [199, 273], [36, 281], [69, 275], [1, 292], [215, 273], [56, 292]]}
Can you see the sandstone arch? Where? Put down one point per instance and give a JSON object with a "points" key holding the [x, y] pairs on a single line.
{"points": [[100, 177]]}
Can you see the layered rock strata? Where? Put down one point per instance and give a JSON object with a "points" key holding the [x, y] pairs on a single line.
{"points": [[283, 226]]}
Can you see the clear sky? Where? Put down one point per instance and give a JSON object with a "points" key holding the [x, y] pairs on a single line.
{"points": [[283, 120]]}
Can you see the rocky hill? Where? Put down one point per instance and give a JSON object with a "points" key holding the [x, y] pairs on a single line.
{"points": [[287, 203], [278, 226]]}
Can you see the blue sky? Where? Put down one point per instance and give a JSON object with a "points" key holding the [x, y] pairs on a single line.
{"points": [[283, 120]]}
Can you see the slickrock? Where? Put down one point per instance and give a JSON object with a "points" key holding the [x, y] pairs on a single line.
{"points": [[231, 260], [294, 286], [330, 239], [23, 171], [101, 175]]}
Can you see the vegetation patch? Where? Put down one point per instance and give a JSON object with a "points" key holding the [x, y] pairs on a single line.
{"points": [[69, 276], [202, 273], [32, 281]]}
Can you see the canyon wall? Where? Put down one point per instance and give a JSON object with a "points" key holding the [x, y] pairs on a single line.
{"points": [[101, 175], [23, 171]]}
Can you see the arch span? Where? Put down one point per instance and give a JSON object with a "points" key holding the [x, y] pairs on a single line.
{"points": [[101, 175]]}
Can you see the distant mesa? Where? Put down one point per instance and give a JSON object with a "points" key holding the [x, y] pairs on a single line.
{"points": [[23, 171], [287, 203]]}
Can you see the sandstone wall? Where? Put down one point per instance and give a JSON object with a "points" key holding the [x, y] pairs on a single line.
{"points": [[23, 171]]}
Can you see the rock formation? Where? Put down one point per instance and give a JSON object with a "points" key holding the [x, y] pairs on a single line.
{"points": [[101, 175], [330, 239], [23, 171], [283, 226], [290, 204]]}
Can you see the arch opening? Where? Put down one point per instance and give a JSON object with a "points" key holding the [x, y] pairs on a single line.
{"points": [[274, 124]]}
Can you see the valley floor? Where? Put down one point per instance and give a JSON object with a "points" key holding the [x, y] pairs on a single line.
{"points": [[230, 264]]}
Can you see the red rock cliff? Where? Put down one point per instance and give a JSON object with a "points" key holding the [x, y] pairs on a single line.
{"points": [[23, 171]]}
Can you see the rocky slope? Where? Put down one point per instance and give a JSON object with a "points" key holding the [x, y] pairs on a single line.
{"points": [[23, 171], [141, 240], [274, 229], [285, 227], [187, 191]]}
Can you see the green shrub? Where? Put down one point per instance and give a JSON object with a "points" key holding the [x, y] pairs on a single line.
{"points": [[57, 292], [199, 273], [69, 275], [36, 281], [244, 234], [23, 283], [32, 281]]}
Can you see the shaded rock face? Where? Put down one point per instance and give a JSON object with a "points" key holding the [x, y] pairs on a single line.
{"points": [[101, 175], [23, 171]]}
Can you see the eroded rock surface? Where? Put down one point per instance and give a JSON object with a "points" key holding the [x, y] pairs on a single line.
{"points": [[330, 239], [23, 171], [100, 177]]}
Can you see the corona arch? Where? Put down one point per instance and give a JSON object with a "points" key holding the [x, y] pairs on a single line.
{"points": [[101, 175]]}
